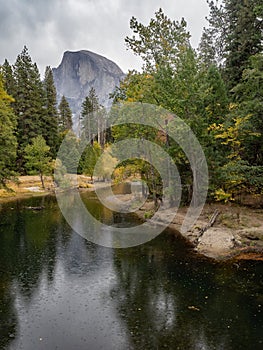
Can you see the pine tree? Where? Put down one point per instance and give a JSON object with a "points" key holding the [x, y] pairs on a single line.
{"points": [[29, 102], [234, 33], [90, 115], [65, 115], [207, 49], [212, 45], [69, 153], [215, 96], [248, 96], [8, 76], [8, 141], [244, 38], [50, 123]]}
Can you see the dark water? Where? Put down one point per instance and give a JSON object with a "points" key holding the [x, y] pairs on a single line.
{"points": [[58, 291]]}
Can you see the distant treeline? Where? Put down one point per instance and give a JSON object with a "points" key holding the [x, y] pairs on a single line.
{"points": [[217, 90]]}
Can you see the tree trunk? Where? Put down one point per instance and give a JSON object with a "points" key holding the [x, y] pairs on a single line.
{"points": [[42, 180], [210, 224]]}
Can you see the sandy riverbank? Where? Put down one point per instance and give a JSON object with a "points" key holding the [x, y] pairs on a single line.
{"points": [[26, 186], [30, 186]]}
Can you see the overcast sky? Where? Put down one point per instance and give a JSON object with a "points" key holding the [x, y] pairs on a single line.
{"points": [[50, 27]]}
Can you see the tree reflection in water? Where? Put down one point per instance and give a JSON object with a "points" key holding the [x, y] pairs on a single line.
{"points": [[168, 300], [155, 296]]}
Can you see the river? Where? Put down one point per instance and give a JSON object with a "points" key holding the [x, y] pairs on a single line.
{"points": [[60, 291]]}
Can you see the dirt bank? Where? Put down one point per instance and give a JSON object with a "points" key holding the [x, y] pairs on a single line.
{"points": [[236, 233]]}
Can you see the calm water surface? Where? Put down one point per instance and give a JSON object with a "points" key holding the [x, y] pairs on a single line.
{"points": [[59, 291]]}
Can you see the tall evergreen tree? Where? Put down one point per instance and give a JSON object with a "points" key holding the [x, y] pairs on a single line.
{"points": [[212, 45], [65, 115], [207, 49], [29, 102], [8, 141], [50, 123], [215, 96], [8, 76], [234, 34], [244, 37], [89, 114], [248, 96]]}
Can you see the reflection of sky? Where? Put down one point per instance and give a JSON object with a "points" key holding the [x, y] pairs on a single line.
{"points": [[59, 291], [166, 310], [75, 311]]}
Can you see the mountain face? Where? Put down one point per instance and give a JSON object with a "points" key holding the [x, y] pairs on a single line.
{"points": [[79, 72]]}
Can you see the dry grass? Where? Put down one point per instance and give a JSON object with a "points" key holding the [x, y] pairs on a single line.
{"points": [[26, 186]]}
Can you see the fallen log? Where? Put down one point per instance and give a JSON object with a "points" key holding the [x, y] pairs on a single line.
{"points": [[35, 208], [206, 227]]}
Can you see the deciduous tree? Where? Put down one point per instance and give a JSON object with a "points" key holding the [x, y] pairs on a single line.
{"points": [[38, 157], [158, 43]]}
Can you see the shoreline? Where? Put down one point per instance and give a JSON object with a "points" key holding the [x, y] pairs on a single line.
{"points": [[26, 187], [30, 186], [236, 234]]}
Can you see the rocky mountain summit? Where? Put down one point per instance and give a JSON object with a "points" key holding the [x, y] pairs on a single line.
{"points": [[80, 71]]}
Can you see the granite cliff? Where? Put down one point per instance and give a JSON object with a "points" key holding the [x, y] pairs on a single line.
{"points": [[81, 70]]}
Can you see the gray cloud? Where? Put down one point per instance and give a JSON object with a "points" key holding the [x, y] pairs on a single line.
{"points": [[50, 27]]}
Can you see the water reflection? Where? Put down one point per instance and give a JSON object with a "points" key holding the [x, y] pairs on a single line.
{"points": [[182, 304], [59, 291]]}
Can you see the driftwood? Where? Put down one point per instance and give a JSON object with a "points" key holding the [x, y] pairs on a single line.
{"points": [[210, 224], [35, 208]]}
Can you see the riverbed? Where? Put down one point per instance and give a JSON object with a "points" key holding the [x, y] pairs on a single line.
{"points": [[60, 291]]}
